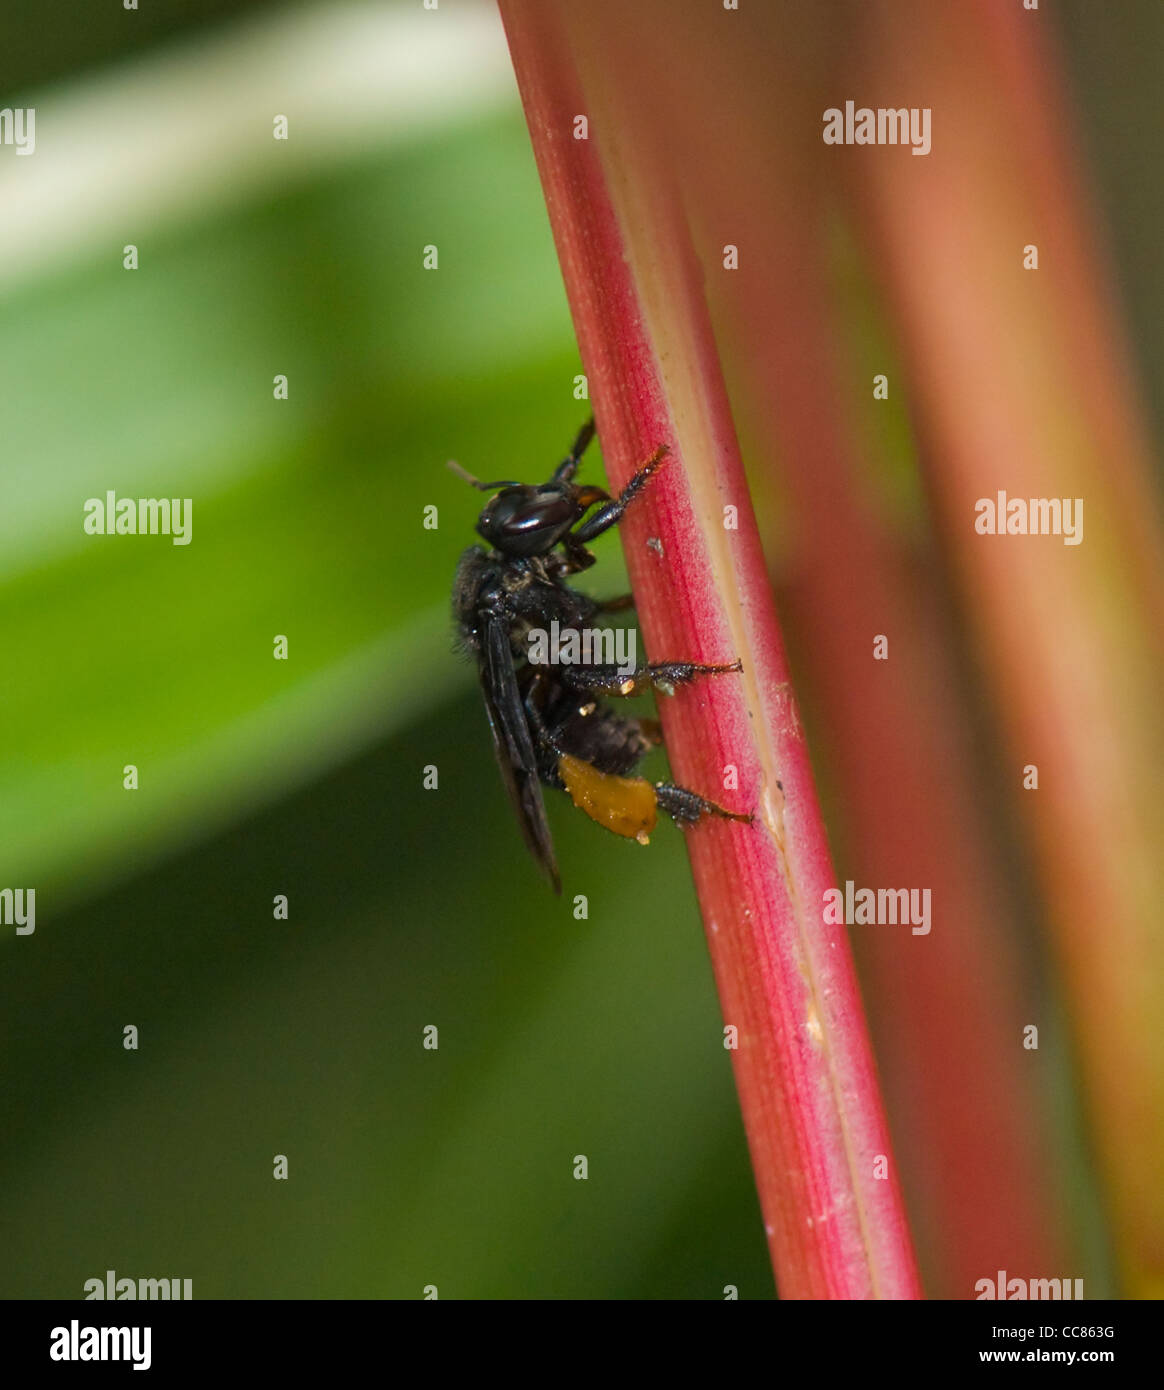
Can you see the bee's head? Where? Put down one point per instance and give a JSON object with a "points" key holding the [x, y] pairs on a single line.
{"points": [[524, 521]]}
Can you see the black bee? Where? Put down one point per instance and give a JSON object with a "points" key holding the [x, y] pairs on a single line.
{"points": [[549, 725]]}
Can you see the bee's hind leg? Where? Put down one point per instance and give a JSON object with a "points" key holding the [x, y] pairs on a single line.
{"points": [[687, 807]]}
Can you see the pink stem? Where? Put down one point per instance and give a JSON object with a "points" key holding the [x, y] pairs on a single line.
{"points": [[824, 1167]]}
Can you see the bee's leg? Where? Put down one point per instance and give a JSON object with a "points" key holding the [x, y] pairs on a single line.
{"points": [[569, 465], [590, 739], [545, 737], [662, 675], [650, 729], [616, 605], [686, 807], [628, 806], [610, 513], [576, 558]]}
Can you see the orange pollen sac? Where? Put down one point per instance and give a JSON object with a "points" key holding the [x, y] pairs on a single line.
{"points": [[625, 805]]}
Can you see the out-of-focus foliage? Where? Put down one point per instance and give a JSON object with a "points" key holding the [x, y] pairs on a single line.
{"points": [[408, 908], [258, 777]]}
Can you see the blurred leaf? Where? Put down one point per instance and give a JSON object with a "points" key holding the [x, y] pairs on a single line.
{"points": [[406, 1166], [307, 514]]}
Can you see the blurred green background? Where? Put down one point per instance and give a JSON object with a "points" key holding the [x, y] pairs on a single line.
{"points": [[259, 777]]}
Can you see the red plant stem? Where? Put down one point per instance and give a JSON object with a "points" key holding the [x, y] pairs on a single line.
{"points": [[1072, 636], [827, 1181], [952, 1005], [948, 1008]]}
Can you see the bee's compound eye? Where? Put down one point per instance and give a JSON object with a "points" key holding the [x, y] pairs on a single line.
{"points": [[525, 521]]}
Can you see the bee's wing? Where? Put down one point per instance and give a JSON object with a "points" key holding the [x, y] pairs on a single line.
{"points": [[512, 743]]}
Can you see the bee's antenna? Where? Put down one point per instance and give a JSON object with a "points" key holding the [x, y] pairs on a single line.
{"points": [[461, 473], [473, 482]]}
